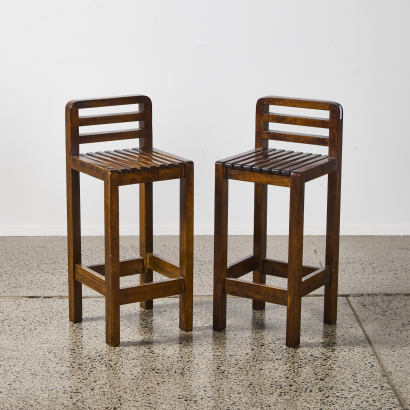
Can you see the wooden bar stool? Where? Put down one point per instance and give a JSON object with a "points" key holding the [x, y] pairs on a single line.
{"points": [[268, 166], [142, 166]]}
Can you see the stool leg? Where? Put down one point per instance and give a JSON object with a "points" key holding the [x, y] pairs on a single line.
{"points": [[220, 247], [74, 245], [146, 235], [112, 260], [294, 306], [259, 236], [332, 245], [186, 246]]}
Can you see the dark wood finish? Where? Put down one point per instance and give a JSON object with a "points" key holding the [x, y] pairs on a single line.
{"points": [[256, 291], [220, 247], [249, 176], [259, 237], [296, 137], [111, 118], [143, 165], [186, 247], [112, 260], [146, 235], [243, 266], [151, 290], [162, 266], [294, 302], [73, 214], [333, 214], [90, 278], [127, 267], [316, 280], [268, 166], [279, 269]]}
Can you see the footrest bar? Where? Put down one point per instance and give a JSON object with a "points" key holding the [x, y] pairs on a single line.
{"points": [[127, 267], [279, 269], [151, 290], [256, 291], [162, 266], [243, 266], [317, 279], [90, 278]]}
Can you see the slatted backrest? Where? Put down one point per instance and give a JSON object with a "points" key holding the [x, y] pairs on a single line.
{"points": [[265, 115], [74, 121]]}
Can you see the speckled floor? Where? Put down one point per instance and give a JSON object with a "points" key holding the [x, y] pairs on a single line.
{"points": [[363, 362]]}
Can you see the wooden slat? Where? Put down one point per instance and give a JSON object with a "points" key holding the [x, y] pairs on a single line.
{"points": [[136, 158], [151, 290], [237, 156], [243, 266], [162, 266], [111, 118], [296, 120], [251, 290], [277, 268], [127, 267], [289, 168], [249, 176], [258, 165], [111, 136], [316, 279], [90, 278], [269, 167], [161, 157], [145, 158], [121, 167], [260, 155], [118, 160], [123, 158], [160, 163], [296, 137], [172, 156], [301, 160]]}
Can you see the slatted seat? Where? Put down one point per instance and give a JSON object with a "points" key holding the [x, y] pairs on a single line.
{"points": [[143, 165], [269, 166]]}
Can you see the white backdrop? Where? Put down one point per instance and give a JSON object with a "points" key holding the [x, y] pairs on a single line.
{"points": [[204, 65]]}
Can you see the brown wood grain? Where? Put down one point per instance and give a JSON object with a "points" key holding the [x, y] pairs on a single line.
{"points": [[151, 290], [90, 278]]}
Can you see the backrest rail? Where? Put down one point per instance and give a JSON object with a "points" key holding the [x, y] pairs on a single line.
{"points": [[296, 137], [111, 118], [296, 120], [111, 136]]}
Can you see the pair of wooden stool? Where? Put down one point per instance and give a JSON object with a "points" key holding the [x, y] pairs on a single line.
{"points": [[262, 166]]}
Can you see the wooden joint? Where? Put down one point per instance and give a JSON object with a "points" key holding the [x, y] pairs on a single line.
{"points": [[127, 267], [163, 266], [151, 290], [316, 279], [90, 278], [243, 266], [256, 291]]}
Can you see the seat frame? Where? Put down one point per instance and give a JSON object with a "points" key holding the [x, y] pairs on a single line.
{"points": [[105, 278], [301, 279]]}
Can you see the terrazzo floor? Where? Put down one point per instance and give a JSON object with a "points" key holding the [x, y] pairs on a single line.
{"points": [[363, 362]]}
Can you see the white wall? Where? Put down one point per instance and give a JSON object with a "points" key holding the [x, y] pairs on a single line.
{"points": [[204, 65]]}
